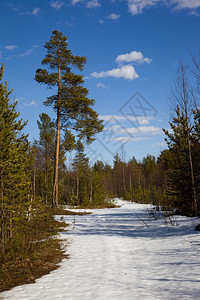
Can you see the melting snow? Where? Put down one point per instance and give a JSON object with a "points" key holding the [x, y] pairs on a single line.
{"points": [[122, 254]]}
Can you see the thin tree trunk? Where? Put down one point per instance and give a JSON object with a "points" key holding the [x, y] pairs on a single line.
{"points": [[55, 185], [192, 173], [34, 184], [2, 233], [77, 187], [185, 103], [2, 220], [46, 178], [91, 190], [10, 226]]}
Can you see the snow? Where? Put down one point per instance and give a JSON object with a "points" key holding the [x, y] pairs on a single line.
{"points": [[122, 254]]}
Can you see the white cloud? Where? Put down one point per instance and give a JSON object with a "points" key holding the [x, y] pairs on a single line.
{"points": [[26, 53], [126, 72], [133, 56], [34, 12], [190, 4], [138, 6], [125, 139], [142, 130], [161, 145], [101, 21], [30, 104], [142, 120], [56, 4], [114, 16], [76, 1], [93, 4], [23, 54], [101, 85], [10, 47]]}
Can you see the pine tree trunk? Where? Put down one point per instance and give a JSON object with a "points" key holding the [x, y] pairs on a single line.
{"points": [[34, 185], [192, 173], [91, 190], [55, 185], [185, 103], [46, 178], [77, 187], [2, 220]]}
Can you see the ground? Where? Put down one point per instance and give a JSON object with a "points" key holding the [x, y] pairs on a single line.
{"points": [[122, 253]]}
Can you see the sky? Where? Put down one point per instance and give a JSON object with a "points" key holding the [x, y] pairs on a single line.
{"points": [[133, 48]]}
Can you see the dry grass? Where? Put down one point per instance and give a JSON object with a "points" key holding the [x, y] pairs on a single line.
{"points": [[40, 262], [34, 251], [106, 204]]}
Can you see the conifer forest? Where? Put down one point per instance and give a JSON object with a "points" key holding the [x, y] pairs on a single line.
{"points": [[36, 179]]}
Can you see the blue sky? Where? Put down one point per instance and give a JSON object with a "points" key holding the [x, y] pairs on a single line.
{"points": [[132, 47]]}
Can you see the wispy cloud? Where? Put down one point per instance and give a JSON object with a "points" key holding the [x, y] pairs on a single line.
{"points": [[138, 6], [125, 139], [101, 85], [161, 145], [133, 57], [28, 52], [141, 120], [113, 16], [76, 1], [152, 130], [10, 47], [35, 12], [23, 54], [125, 72], [93, 4], [56, 4], [32, 103], [187, 4]]}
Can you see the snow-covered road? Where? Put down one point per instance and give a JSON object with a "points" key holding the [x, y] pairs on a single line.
{"points": [[121, 254]]}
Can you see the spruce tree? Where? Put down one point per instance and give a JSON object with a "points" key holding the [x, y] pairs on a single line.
{"points": [[46, 142], [178, 164], [81, 167], [71, 103], [14, 178]]}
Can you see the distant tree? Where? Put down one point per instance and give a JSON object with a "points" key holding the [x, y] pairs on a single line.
{"points": [[73, 107], [149, 164], [47, 143], [81, 167]]}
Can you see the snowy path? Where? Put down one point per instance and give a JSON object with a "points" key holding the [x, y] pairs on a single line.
{"points": [[120, 254]]}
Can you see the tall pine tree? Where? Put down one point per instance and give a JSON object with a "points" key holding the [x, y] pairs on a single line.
{"points": [[71, 102]]}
